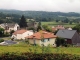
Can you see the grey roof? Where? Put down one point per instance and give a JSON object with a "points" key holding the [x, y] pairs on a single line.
{"points": [[66, 33], [8, 24]]}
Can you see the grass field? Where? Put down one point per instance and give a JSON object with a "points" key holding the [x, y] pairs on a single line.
{"points": [[5, 38], [23, 47], [59, 23]]}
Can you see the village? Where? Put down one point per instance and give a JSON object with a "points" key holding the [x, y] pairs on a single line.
{"points": [[60, 36], [39, 29]]}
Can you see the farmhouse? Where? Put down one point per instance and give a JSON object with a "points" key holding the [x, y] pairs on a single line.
{"points": [[9, 26], [58, 27], [71, 36], [42, 38], [32, 25], [21, 34]]}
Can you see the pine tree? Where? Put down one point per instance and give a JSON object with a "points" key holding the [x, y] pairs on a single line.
{"points": [[39, 26], [23, 23]]}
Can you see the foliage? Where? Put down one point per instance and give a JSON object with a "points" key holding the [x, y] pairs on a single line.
{"points": [[23, 47], [37, 15], [6, 34], [31, 28], [60, 41], [1, 40], [47, 28], [77, 27], [66, 20], [39, 26], [46, 49], [55, 32], [23, 23], [32, 56], [11, 32], [1, 32], [70, 22]]}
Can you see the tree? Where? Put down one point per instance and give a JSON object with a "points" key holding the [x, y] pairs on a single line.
{"points": [[56, 32], [77, 27], [60, 41], [39, 26], [70, 22], [47, 28], [23, 23], [57, 20], [1, 32], [66, 20], [11, 32]]}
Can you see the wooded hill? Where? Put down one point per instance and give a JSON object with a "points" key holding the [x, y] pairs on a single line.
{"points": [[36, 15]]}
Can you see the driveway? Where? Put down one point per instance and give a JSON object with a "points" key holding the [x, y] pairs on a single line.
{"points": [[8, 42]]}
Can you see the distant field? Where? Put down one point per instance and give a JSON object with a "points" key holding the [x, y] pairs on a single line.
{"points": [[49, 23], [23, 47], [59, 23]]}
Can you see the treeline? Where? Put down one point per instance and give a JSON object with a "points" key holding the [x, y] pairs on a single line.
{"points": [[36, 15]]}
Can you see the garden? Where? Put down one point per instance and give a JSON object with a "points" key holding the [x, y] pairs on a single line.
{"points": [[24, 51]]}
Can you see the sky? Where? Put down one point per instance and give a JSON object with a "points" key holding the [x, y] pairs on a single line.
{"points": [[42, 5]]}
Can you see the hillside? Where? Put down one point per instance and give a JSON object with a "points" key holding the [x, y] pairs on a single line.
{"points": [[37, 15]]}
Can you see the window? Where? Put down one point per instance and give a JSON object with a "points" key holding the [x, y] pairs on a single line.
{"points": [[48, 39], [45, 40]]}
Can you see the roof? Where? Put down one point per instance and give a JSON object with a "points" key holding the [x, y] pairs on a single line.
{"points": [[44, 34], [19, 31], [11, 25], [59, 27], [54, 29], [66, 33]]}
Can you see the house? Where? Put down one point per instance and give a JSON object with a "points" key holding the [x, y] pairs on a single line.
{"points": [[32, 24], [21, 34], [70, 36], [1, 26], [42, 38], [58, 27], [10, 26], [69, 28]]}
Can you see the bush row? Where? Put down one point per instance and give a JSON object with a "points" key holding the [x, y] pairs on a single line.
{"points": [[32, 56]]}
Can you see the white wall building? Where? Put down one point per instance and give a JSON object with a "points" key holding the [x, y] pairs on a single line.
{"points": [[21, 34], [48, 39]]}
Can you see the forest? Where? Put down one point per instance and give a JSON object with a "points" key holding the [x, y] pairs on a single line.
{"points": [[13, 16]]}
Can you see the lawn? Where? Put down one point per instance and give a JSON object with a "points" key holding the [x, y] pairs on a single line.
{"points": [[23, 47], [5, 38], [53, 23]]}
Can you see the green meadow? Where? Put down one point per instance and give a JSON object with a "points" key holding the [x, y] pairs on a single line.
{"points": [[53, 23], [24, 47]]}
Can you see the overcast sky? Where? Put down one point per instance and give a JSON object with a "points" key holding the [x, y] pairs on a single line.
{"points": [[42, 5]]}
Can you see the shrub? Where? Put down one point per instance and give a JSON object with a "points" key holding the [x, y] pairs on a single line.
{"points": [[6, 34], [32, 56], [1, 40], [60, 41]]}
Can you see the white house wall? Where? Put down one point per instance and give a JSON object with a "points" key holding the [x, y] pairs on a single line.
{"points": [[19, 36], [22, 36], [15, 27], [31, 41], [51, 42], [39, 42], [28, 33]]}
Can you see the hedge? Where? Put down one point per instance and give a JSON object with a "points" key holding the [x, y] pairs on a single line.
{"points": [[32, 56]]}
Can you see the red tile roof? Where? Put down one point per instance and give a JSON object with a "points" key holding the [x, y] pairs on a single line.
{"points": [[19, 31], [57, 27], [54, 29], [44, 34]]}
